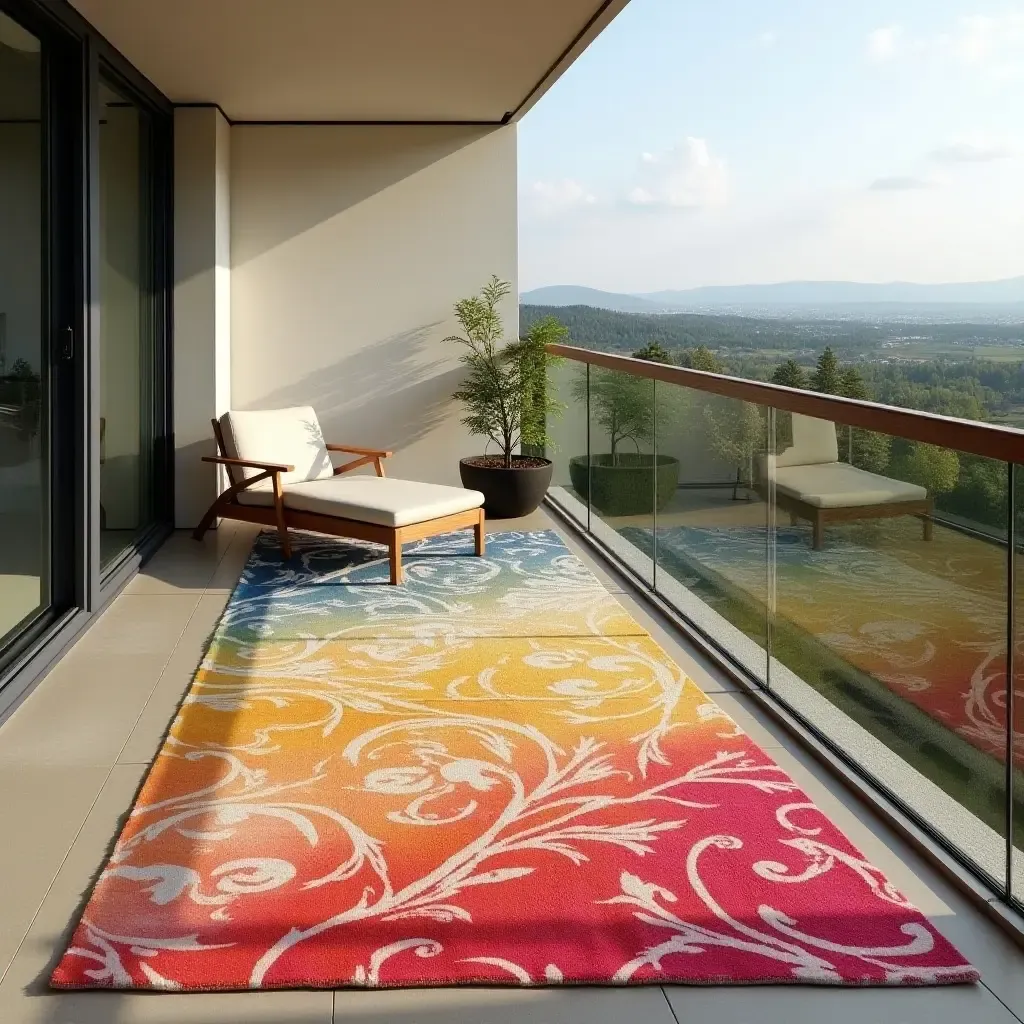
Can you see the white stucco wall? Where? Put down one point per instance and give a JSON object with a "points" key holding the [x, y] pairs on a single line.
{"points": [[349, 247], [202, 301]]}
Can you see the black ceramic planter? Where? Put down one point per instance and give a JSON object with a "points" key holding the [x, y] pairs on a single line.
{"points": [[508, 493]]}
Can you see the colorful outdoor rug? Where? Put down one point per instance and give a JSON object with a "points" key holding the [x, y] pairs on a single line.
{"points": [[925, 619], [489, 775]]}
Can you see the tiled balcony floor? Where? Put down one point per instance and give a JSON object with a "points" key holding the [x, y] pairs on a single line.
{"points": [[73, 754]]}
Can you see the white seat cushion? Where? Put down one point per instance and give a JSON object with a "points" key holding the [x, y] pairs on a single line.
{"points": [[371, 499], [837, 485], [289, 436]]}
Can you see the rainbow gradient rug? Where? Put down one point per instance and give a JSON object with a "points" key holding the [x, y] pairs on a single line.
{"points": [[489, 775]]}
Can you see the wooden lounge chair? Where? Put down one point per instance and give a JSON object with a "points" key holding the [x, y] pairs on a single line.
{"points": [[282, 475], [811, 483]]}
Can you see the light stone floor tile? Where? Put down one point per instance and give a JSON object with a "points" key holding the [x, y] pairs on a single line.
{"points": [[174, 682], [960, 1004], [230, 566], [138, 624], [82, 713], [641, 1005], [41, 812], [25, 997], [183, 564]]}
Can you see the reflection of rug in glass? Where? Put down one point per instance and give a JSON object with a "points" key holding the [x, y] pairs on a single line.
{"points": [[901, 616], [373, 785]]}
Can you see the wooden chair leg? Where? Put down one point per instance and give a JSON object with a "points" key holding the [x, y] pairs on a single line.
{"points": [[478, 535], [395, 558], [819, 531], [282, 526], [207, 521], [926, 522]]}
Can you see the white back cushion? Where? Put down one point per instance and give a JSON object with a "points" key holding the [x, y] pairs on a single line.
{"points": [[814, 442], [289, 436]]}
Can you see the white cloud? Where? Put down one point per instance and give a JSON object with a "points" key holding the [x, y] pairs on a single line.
{"points": [[992, 45], [884, 43], [899, 183], [983, 39], [965, 152], [767, 39], [686, 176], [558, 196]]}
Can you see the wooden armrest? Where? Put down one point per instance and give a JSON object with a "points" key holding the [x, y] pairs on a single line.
{"points": [[378, 453], [267, 467]]}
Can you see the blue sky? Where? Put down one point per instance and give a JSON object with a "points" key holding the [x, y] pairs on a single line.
{"points": [[737, 141]]}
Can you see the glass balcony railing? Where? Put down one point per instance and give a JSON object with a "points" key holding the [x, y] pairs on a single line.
{"points": [[859, 563]]}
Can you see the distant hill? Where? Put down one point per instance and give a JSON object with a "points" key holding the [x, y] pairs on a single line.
{"points": [[841, 293], [576, 295], [788, 294]]}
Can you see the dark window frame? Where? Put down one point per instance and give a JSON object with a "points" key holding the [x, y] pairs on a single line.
{"points": [[78, 589]]}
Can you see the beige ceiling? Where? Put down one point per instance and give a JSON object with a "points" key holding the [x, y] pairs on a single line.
{"points": [[351, 60]]}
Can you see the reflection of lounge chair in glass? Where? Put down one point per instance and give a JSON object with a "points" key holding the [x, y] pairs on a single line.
{"points": [[811, 483]]}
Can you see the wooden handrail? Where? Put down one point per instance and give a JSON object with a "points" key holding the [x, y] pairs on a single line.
{"points": [[986, 439]]}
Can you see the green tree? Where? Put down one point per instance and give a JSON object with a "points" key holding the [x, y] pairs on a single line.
{"points": [[653, 353], [851, 384], [621, 404], [504, 389], [827, 377], [865, 449], [934, 468], [790, 375], [701, 358], [736, 433]]}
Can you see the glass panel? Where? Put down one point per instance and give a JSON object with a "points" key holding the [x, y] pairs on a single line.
{"points": [[621, 478], [24, 456], [889, 626], [712, 539], [567, 384], [1017, 846], [126, 325]]}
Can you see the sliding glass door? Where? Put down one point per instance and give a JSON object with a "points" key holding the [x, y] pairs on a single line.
{"points": [[25, 363], [129, 318]]}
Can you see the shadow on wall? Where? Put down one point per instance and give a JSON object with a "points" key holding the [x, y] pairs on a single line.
{"points": [[299, 176], [390, 394]]}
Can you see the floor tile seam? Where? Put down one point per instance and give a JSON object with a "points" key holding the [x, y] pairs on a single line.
{"points": [[60, 868], [156, 684], [489, 636], [995, 995], [668, 1002]]}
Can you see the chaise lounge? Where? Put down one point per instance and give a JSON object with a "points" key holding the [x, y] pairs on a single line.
{"points": [[811, 483], [282, 475]]}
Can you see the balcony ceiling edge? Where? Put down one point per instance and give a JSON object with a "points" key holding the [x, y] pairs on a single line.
{"points": [[393, 61]]}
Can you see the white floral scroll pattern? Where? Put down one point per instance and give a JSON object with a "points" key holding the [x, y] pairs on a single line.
{"points": [[400, 809]]}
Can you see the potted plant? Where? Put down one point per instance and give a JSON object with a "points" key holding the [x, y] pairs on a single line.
{"points": [[617, 482], [507, 402]]}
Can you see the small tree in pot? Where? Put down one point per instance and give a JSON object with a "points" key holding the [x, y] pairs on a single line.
{"points": [[626, 482], [507, 402]]}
